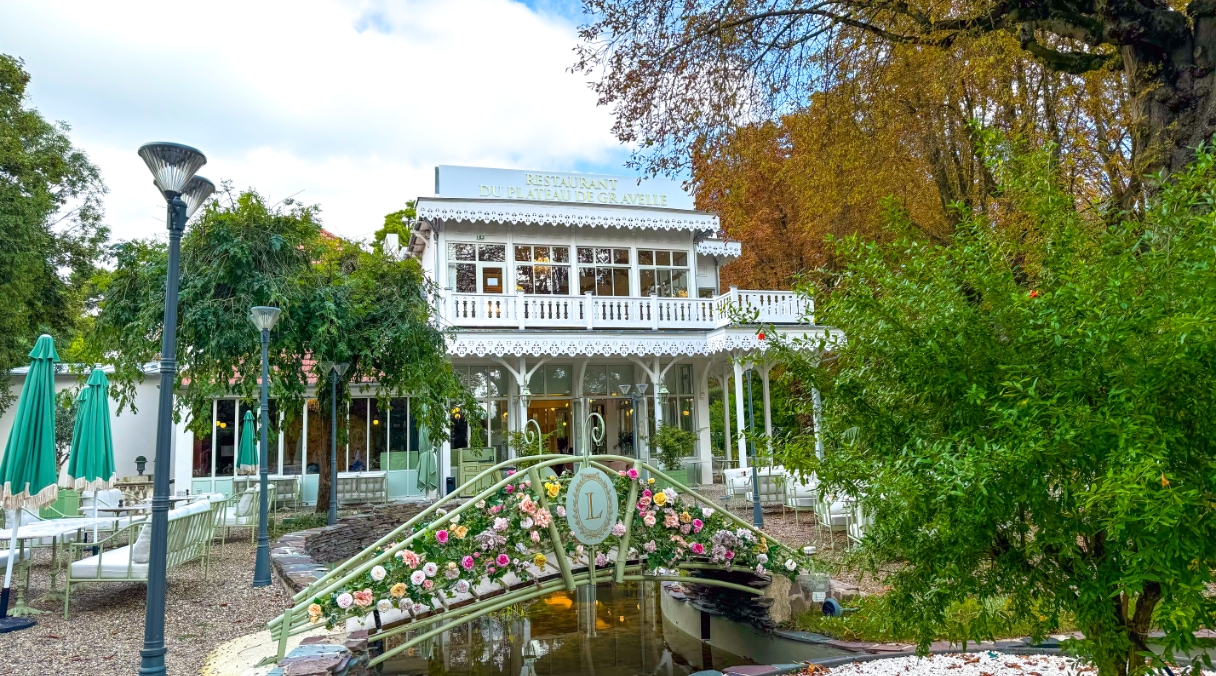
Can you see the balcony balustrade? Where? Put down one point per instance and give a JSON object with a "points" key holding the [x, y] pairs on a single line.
{"points": [[525, 311]]}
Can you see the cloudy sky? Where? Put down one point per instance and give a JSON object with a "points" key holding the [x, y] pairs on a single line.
{"points": [[345, 104]]}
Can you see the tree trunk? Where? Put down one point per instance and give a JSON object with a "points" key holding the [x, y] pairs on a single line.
{"points": [[1171, 69], [323, 485]]}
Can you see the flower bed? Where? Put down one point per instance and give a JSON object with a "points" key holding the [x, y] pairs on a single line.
{"points": [[511, 532]]}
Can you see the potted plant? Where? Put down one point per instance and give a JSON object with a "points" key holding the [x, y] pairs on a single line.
{"points": [[519, 442], [673, 445]]}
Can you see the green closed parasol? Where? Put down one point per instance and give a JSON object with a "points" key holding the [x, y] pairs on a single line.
{"points": [[28, 473], [428, 463], [247, 459], [91, 462]]}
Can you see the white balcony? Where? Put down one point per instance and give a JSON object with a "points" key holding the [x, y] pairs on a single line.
{"points": [[523, 311]]}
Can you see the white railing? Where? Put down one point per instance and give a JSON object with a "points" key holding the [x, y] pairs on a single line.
{"points": [[525, 311]]}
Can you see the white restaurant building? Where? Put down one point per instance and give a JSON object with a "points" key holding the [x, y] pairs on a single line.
{"points": [[564, 293]]}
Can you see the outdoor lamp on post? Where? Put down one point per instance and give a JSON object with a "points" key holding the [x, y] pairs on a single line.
{"points": [[757, 512], [263, 318], [172, 166], [336, 371]]}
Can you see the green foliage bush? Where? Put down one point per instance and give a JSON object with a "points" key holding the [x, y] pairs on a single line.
{"points": [[674, 444], [1027, 408]]}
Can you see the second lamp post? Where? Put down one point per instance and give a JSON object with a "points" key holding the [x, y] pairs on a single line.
{"points": [[264, 318], [336, 370]]}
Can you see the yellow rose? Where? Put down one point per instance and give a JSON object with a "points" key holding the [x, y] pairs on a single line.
{"points": [[314, 612], [660, 499], [397, 590], [685, 517], [460, 532], [650, 481], [540, 560], [553, 489]]}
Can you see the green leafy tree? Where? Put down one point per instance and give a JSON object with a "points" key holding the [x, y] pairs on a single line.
{"points": [[340, 303], [51, 232], [397, 223], [1029, 412]]}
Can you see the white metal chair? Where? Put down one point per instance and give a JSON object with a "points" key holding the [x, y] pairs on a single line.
{"points": [[800, 493]]}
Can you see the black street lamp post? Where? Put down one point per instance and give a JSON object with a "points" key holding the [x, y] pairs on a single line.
{"points": [[336, 371], [264, 318], [757, 512], [173, 166]]}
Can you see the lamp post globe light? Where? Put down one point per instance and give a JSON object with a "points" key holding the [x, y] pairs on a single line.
{"points": [[172, 166], [336, 370], [263, 318]]}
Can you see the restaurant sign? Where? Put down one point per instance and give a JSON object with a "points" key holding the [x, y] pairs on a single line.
{"points": [[549, 186]]}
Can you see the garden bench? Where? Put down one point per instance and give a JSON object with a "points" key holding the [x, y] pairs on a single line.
{"points": [[189, 536], [362, 487], [241, 510]]}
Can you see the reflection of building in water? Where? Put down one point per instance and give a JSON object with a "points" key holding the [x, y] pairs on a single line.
{"points": [[610, 630]]}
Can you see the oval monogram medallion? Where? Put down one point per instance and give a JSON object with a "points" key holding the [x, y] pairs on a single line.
{"points": [[591, 505]]}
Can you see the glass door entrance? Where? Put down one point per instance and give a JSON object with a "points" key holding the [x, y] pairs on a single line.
{"points": [[556, 420]]}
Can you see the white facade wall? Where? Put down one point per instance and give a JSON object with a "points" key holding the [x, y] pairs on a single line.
{"points": [[134, 431]]}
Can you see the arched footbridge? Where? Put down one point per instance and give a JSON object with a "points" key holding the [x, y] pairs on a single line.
{"points": [[527, 535]]}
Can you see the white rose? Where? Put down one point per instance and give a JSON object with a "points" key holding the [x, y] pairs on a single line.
{"points": [[417, 577], [762, 558], [384, 605], [462, 586], [790, 565], [707, 512], [378, 573], [430, 569]]}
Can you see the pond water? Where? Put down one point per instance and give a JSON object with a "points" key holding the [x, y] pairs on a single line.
{"points": [[607, 631]]}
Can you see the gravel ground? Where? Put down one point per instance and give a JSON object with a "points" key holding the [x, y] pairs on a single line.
{"points": [[967, 664], [106, 629]]}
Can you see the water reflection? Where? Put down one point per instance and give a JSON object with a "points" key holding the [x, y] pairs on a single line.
{"points": [[605, 631]]}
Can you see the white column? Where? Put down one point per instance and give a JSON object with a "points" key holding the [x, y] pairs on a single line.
{"points": [[701, 423], [725, 382], [183, 457], [445, 465], [817, 408], [656, 378], [740, 423]]}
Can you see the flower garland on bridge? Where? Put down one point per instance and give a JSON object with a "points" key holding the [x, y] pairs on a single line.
{"points": [[509, 533]]}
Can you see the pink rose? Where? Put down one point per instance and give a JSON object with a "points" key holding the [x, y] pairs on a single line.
{"points": [[730, 554], [363, 598], [646, 493], [410, 559], [619, 529], [697, 548], [561, 511], [600, 559], [649, 519], [490, 570], [503, 560], [686, 528], [467, 563], [441, 537], [644, 502], [621, 472], [632, 474], [344, 600], [477, 555], [508, 488], [535, 536], [510, 472], [671, 521], [428, 584], [697, 525], [649, 547], [543, 518]]}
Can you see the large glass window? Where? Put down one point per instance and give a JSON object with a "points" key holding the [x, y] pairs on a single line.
{"points": [[542, 269], [551, 380], [477, 268], [379, 434], [606, 380], [358, 434], [603, 271], [663, 273], [225, 437], [679, 407]]}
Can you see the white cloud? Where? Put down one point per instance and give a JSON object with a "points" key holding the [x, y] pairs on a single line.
{"points": [[351, 103]]}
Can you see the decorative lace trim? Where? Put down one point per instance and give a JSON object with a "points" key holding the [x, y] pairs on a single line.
{"points": [[717, 247], [576, 346], [531, 213]]}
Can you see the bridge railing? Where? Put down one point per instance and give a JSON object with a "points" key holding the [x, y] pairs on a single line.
{"points": [[295, 619]]}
